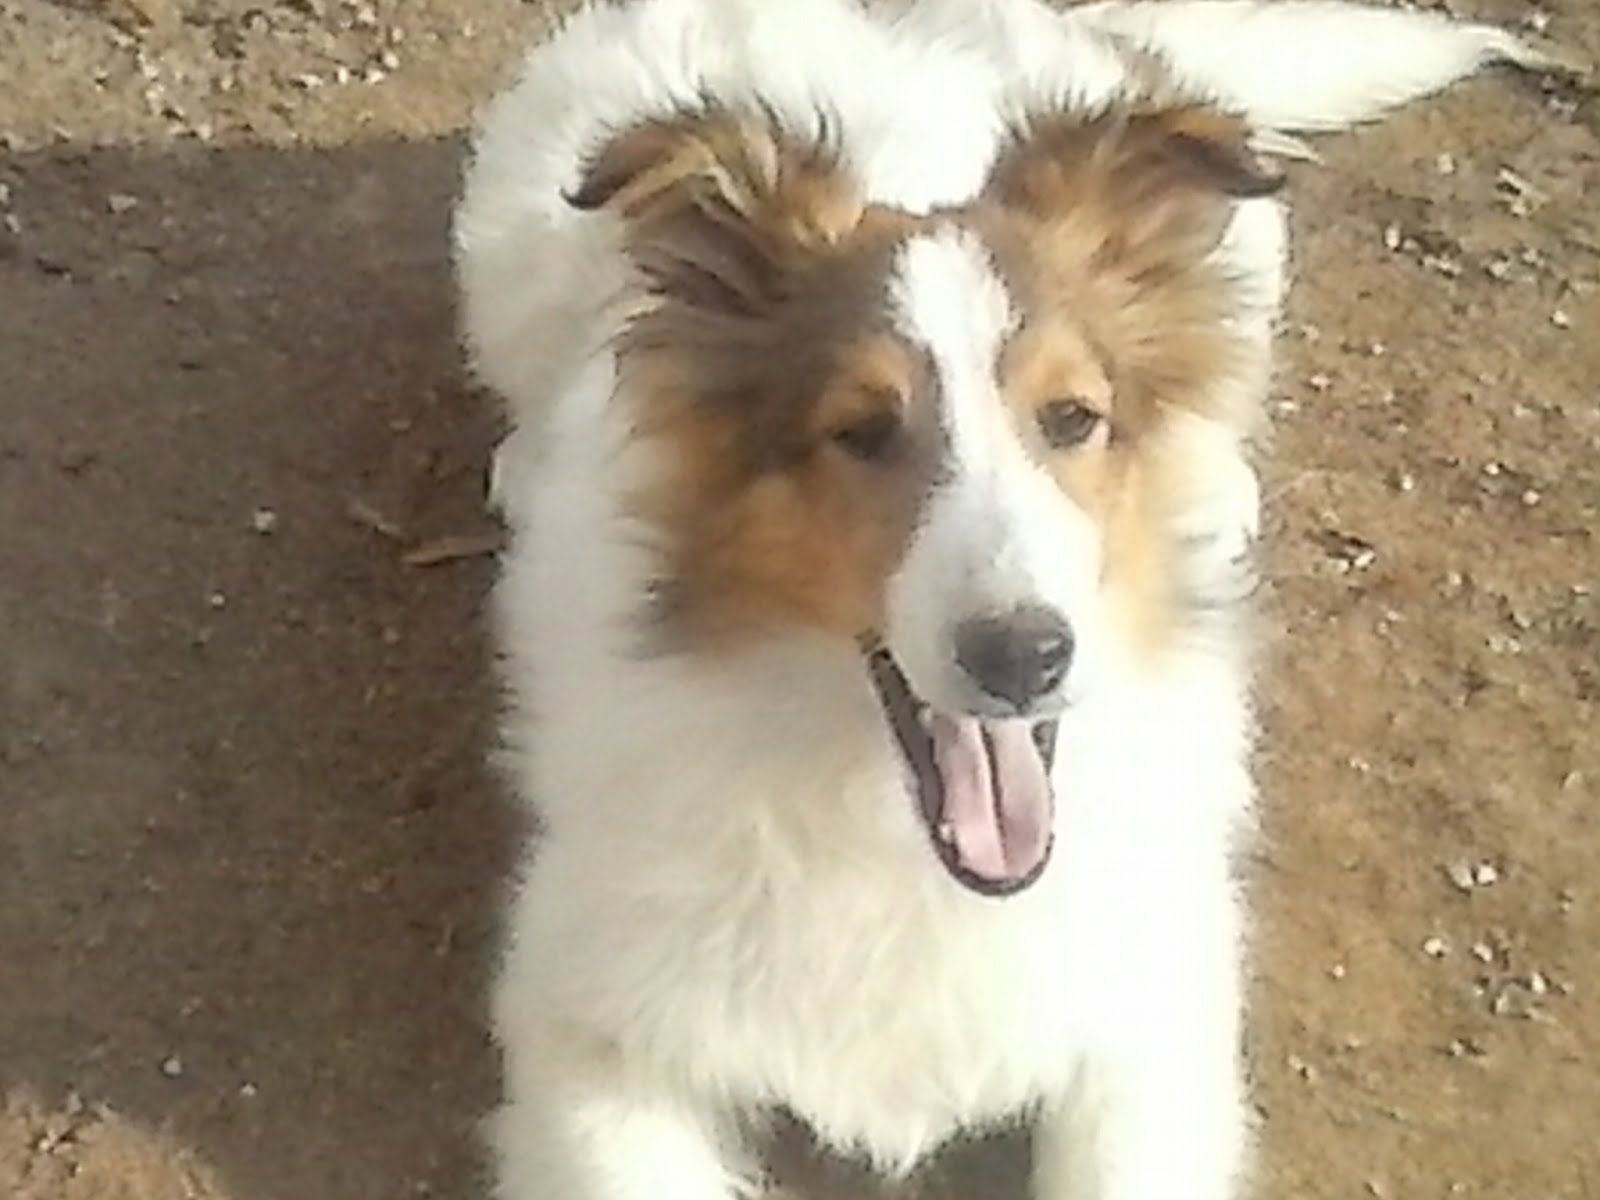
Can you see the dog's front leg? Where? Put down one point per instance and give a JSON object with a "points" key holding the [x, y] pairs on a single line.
{"points": [[1161, 1118], [574, 1130]]}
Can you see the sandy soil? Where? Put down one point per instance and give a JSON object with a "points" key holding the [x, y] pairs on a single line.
{"points": [[248, 854]]}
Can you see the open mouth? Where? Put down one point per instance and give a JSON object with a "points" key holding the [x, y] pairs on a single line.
{"points": [[983, 785]]}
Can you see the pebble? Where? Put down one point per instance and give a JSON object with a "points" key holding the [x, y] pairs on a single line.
{"points": [[264, 520], [1302, 1068], [121, 202], [1435, 946], [172, 1066], [1561, 319], [1513, 1000]]}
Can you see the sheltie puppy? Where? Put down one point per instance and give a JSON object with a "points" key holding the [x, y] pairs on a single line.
{"points": [[872, 627]]}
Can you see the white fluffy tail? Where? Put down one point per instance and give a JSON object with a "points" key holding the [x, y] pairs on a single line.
{"points": [[1310, 65]]}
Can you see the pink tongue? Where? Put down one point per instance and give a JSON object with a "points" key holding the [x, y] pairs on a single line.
{"points": [[998, 806]]}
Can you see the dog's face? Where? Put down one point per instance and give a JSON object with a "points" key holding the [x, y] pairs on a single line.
{"points": [[942, 436]]}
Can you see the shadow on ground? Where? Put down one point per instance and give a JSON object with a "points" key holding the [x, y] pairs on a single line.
{"points": [[248, 855]]}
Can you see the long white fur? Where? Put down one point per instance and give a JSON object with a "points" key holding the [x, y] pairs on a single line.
{"points": [[1310, 65], [733, 905]]}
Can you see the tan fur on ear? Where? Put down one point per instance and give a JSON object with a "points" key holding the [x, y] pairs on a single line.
{"points": [[720, 202], [1159, 178], [1215, 146]]}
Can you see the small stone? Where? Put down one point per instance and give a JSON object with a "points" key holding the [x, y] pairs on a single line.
{"points": [[1512, 1001], [1459, 873], [121, 202], [1538, 984], [1405, 482], [389, 60], [172, 1066], [1561, 319], [217, 600], [1536, 21], [1498, 268], [1483, 952], [263, 521], [1531, 497], [1336, 971], [1391, 237], [247, 1090], [1435, 946], [1445, 164], [1302, 1068], [1485, 874]]}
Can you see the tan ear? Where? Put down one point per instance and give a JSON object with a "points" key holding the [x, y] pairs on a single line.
{"points": [[1169, 172], [718, 203], [1211, 147]]}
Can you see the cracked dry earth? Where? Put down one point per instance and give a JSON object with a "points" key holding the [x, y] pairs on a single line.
{"points": [[248, 854]]}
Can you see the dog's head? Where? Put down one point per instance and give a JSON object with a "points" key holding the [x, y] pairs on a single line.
{"points": [[947, 437]]}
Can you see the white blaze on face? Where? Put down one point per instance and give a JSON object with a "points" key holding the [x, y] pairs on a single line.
{"points": [[997, 534]]}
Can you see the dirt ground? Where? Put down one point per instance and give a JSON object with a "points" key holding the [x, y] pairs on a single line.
{"points": [[248, 852]]}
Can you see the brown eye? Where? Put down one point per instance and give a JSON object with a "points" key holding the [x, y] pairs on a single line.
{"points": [[870, 439], [1067, 423]]}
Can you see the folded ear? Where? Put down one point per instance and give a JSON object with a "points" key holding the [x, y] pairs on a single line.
{"points": [[1171, 172], [719, 204]]}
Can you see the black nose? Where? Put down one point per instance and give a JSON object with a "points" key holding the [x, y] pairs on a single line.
{"points": [[1019, 657]]}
